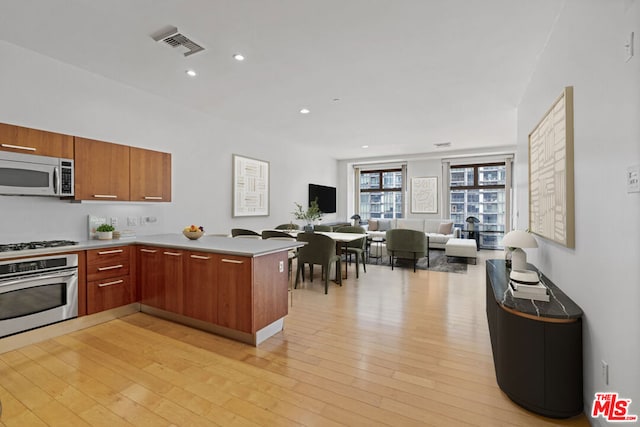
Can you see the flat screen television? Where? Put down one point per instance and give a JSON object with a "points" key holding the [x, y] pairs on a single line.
{"points": [[326, 197]]}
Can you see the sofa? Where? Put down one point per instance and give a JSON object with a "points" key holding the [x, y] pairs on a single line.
{"points": [[438, 230]]}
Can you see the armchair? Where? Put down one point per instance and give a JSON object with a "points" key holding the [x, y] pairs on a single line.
{"points": [[407, 244]]}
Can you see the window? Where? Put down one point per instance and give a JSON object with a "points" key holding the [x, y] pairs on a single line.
{"points": [[479, 191], [381, 194]]}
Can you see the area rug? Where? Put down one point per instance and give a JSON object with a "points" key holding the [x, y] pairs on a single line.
{"points": [[438, 262]]}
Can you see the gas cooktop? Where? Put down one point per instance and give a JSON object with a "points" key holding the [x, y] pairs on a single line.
{"points": [[36, 245]]}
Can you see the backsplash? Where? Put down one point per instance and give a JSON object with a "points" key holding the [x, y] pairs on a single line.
{"points": [[30, 218]]}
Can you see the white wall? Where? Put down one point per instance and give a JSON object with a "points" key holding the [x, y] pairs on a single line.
{"points": [[602, 273], [39, 92]]}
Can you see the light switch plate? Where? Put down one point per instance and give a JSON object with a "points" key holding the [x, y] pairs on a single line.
{"points": [[633, 179]]}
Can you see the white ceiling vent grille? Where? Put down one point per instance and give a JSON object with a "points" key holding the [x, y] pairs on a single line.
{"points": [[173, 38], [442, 144]]}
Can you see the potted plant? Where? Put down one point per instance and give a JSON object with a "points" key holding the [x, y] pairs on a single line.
{"points": [[309, 216], [105, 232]]}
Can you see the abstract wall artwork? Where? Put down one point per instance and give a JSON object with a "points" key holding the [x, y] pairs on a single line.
{"points": [[250, 187], [551, 200], [424, 195]]}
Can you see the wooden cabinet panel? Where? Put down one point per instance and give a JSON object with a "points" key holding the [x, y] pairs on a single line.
{"points": [[101, 170], [109, 293], [200, 286], [24, 140], [235, 293], [172, 267], [270, 289], [108, 262], [150, 272], [150, 173]]}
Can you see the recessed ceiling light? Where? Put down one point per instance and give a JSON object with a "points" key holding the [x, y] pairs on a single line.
{"points": [[305, 111], [365, 146], [191, 73], [238, 57]]}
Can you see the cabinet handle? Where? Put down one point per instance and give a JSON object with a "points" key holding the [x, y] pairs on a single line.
{"points": [[153, 197], [173, 253], [18, 147], [115, 282], [111, 267], [149, 251], [105, 196], [115, 251], [232, 261], [200, 257]]}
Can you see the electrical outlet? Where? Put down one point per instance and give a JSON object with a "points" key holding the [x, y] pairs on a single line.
{"points": [[605, 372], [281, 267], [132, 221], [114, 221], [142, 221]]}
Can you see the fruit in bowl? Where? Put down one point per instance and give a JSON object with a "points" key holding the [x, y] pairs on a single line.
{"points": [[193, 232]]}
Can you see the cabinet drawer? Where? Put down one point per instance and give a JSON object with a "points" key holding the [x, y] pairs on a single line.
{"points": [[109, 293], [115, 254], [104, 270]]}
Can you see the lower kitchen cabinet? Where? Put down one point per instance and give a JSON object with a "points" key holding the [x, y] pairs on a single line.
{"points": [[200, 286], [161, 278], [234, 293], [109, 282]]}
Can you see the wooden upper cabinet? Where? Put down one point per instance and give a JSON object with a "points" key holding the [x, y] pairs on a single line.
{"points": [[19, 139], [101, 170], [150, 173]]}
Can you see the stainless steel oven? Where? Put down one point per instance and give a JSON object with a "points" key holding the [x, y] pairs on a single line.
{"points": [[37, 291]]}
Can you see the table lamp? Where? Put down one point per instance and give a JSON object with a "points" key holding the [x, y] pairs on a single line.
{"points": [[356, 219], [519, 239]]}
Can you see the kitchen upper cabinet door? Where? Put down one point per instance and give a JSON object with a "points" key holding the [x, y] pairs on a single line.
{"points": [[101, 170], [234, 293], [150, 173], [173, 278], [200, 286], [24, 140], [150, 276]]}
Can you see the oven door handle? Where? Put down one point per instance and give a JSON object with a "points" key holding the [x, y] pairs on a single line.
{"points": [[45, 276]]}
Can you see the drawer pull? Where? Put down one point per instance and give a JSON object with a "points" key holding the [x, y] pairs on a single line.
{"points": [[232, 261], [18, 147], [115, 251], [105, 196], [173, 253], [115, 282], [153, 197], [149, 251], [111, 267], [200, 257]]}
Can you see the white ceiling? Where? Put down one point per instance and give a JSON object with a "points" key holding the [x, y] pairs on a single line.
{"points": [[407, 73]]}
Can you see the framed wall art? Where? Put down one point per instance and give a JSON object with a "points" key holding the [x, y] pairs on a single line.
{"points": [[250, 187], [551, 194], [424, 195]]}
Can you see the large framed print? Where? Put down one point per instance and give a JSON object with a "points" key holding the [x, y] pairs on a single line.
{"points": [[551, 193], [250, 187], [424, 195]]}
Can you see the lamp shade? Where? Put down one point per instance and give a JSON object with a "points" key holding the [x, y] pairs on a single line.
{"points": [[519, 239]]}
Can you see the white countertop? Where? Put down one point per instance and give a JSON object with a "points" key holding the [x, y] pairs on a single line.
{"points": [[223, 245]]}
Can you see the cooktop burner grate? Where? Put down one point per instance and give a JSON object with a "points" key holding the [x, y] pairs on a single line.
{"points": [[36, 245]]}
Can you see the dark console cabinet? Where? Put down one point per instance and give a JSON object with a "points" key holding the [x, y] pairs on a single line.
{"points": [[537, 346]]}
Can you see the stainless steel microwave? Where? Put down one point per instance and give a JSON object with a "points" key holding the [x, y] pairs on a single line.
{"points": [[32, 175]]}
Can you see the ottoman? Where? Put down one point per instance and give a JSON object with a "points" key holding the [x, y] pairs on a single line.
{"points": [[461, 248]]}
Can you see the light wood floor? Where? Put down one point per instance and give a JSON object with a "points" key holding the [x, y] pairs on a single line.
{"points": [[391, 348]]}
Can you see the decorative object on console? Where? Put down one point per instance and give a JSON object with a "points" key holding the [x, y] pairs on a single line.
{"points": [[514, 241], [105, 232]]}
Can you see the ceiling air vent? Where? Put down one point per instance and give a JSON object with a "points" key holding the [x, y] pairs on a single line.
{"points": [[442, 144], [173, 38]]}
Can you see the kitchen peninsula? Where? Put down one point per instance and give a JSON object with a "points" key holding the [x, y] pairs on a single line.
{"points": [[237, 288]]}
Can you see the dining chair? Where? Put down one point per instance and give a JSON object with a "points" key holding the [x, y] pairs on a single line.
{"points": [[319, 250], [356, 247], [407, 244], [289, 226], [241, 232], [322, 228]]}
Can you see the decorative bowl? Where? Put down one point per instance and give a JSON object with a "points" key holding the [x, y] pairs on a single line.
{"points": [[193, 235]]}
